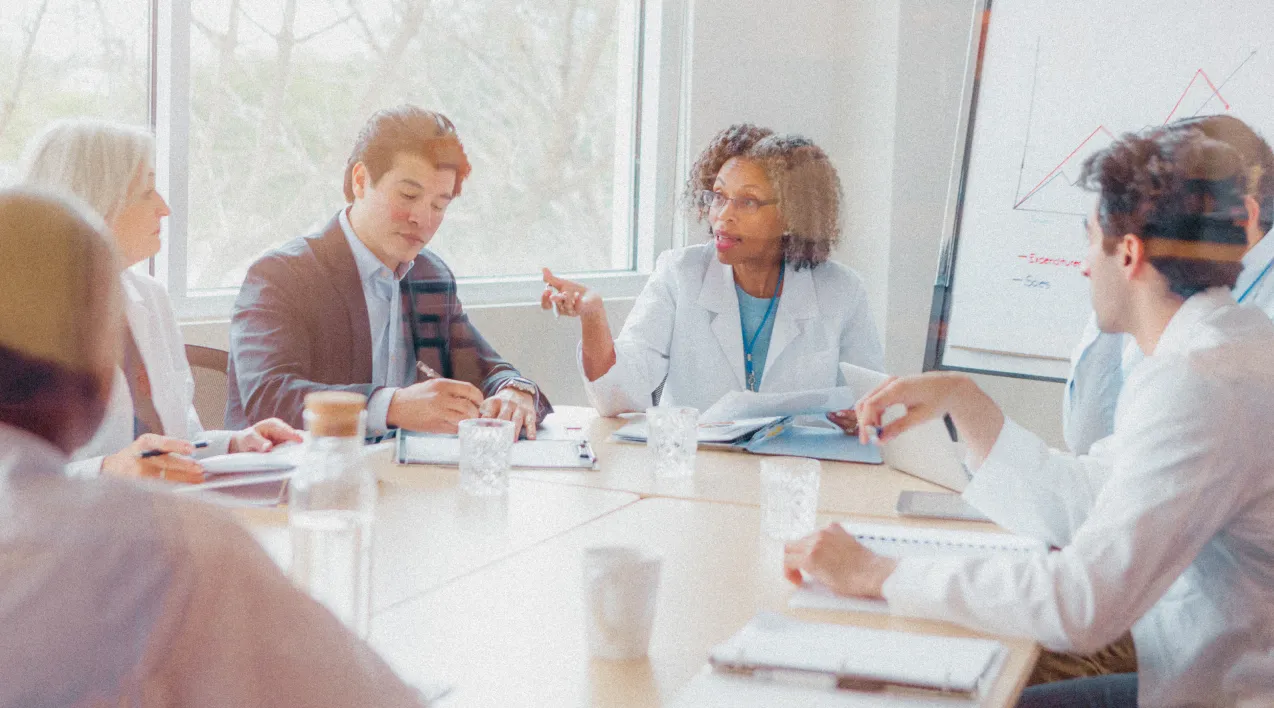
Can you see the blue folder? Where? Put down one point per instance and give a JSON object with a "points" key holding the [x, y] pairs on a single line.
{"points": [[786, 438]]}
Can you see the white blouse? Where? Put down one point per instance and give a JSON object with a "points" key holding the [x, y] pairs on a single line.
{"points": [[154, 327]]}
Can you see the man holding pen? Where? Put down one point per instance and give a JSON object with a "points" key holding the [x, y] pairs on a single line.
{"points": [[360, 305]]}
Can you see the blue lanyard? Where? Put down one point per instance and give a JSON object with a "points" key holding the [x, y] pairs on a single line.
{"points": [[1259, 276], [747, 345]]}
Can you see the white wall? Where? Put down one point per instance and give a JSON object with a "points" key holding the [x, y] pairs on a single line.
{"points": [[876, 83], [933, 38]]}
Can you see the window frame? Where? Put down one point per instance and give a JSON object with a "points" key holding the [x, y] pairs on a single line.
{"points": [[657, 127]]}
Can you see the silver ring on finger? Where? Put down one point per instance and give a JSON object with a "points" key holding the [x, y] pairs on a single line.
{"points": [[163, 470]]}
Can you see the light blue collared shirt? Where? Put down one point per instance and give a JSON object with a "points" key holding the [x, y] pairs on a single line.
{"points": [[392, 360], [1102, 362]]}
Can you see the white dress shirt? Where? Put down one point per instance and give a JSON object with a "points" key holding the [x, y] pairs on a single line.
{"points": [[1167, 527], [391, 357], [113, 595], [154, 328], [685, 326], [1102, 362]]}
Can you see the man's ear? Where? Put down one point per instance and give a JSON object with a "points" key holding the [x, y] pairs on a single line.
{"points": [[1253, 225], [1132, 253], [358, 180]]}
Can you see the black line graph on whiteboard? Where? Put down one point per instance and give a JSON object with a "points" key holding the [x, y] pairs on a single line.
{"points": [[1057, 192]]}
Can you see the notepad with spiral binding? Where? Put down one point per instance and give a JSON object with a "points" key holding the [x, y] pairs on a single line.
{"points": [[773, 647], [898, 541]]}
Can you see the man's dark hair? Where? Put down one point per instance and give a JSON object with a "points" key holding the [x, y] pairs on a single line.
{"points": [[1182, 193], [411, 130], [1256, 154]]}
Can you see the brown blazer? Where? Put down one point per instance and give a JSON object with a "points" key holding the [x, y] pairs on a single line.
{"points": [[300, 325]]}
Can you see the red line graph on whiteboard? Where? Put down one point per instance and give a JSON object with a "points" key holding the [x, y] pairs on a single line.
{"points": [[1215, 92], [1053, 172], [1103, 129], [1057, 192]]}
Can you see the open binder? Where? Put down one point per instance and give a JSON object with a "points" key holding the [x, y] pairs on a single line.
{"points": [[793, 435], [435, 449]]}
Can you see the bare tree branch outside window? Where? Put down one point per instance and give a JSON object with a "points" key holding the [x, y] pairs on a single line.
{"points": [[69, 58], [279, 89], [530, 84]]}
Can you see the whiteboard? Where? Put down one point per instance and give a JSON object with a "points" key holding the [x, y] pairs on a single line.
{"points": [[1049, 83]]}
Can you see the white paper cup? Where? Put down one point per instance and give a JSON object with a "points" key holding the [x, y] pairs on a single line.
{"points": [[620, 586]]}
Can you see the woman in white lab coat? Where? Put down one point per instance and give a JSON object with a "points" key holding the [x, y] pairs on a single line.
{"points": [[111, 168], [759, 307]]}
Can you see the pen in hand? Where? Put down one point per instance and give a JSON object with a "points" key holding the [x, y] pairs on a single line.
{"points": [[427, 372], [157, 453]]}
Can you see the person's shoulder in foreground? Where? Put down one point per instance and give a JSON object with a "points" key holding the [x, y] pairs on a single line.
{"points": [[109, 593]]}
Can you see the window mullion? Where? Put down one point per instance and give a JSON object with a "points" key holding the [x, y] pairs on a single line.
{"points": [[171, 72]]}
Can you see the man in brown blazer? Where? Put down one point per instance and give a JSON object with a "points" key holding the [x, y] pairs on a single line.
{"points": [[361, 307]]}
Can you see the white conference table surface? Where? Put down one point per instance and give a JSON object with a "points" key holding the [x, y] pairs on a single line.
{"points": [[428, 531], [512, 633], [720, 475]]}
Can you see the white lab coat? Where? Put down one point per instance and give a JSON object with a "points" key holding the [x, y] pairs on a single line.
{"points": [[685, 325], [113, 595], [150, 317], [1167, 528], [1102, 362]]}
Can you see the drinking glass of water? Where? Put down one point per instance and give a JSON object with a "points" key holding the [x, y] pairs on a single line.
{"points": [[789, 491], [486, 445], [673, 436]]}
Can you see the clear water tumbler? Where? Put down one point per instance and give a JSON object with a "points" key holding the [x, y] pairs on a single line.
{"points": [[789, 496], [673, 436], [486, 446]]}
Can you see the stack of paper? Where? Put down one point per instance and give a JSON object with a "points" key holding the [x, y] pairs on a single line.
{"points": [[738, 405], [722, 432]]}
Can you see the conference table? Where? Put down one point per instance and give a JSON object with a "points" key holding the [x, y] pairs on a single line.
{"points": [[486, 593]]}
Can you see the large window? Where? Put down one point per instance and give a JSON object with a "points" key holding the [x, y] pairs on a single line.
{"points": [[66, 58], [540, 91], [256, 104]]}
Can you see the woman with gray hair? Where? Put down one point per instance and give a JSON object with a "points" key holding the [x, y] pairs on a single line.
{"points": [[111, 168], [759, 308]]}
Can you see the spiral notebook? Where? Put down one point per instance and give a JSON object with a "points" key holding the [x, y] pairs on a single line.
{"points": [[902, 541], [773, 647]]}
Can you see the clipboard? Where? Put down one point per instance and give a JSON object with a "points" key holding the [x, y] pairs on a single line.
{"points": [[434, 449]]}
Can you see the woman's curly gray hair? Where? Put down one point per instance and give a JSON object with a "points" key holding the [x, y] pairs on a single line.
{"points": [[805, 183]]}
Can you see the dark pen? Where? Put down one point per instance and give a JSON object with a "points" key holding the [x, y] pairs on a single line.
{"points": [[157, 453]]}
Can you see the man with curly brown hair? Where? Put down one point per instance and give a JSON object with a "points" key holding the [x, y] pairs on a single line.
{"points": [[1103, 361], [1167, 526], [758, 308]]}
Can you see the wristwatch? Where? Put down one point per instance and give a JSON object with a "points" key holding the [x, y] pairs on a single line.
{"points": [[517, 383]]}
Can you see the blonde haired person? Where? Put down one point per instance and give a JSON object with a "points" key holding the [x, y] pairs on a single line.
{"points": [[111, 594], [759, 307], [111, 168]]}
